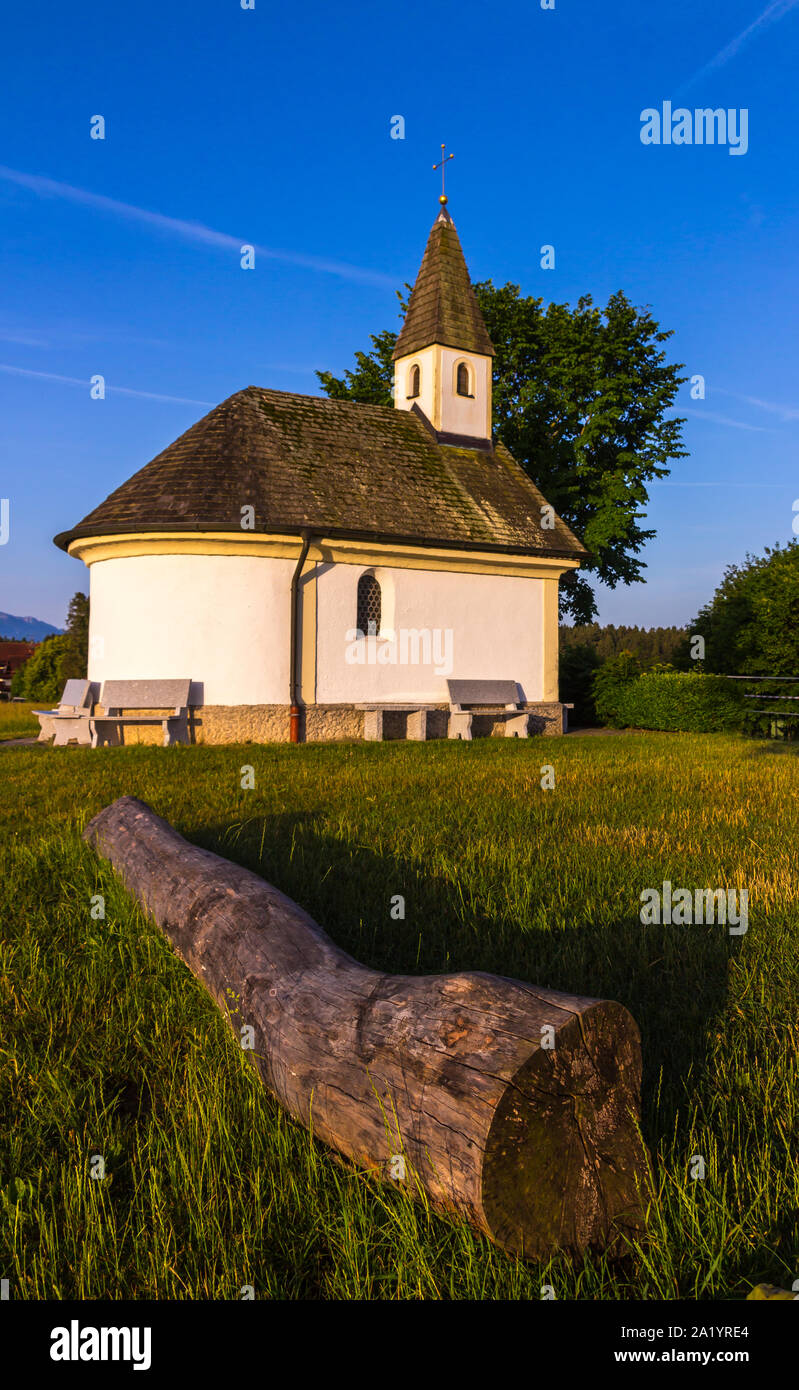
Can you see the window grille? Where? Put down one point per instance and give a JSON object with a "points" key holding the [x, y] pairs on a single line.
{"points": [[369, 606]]}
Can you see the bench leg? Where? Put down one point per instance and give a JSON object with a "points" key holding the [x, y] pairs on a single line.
{"points": [[176, 730], [373, 725], [460, 725], [67, 729], [417, 725], [105, 733], [182, 734], [518, 726]]}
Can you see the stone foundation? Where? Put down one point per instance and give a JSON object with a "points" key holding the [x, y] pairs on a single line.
{"points": [[220, 724]]}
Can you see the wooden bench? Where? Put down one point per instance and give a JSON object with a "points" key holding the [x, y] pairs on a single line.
{"points": [[72, 718], [468, 697], [374, 716], [142, 695]]}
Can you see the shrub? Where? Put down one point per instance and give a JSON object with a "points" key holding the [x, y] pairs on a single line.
{"points": [[691, 701], [41, 678], [609, 685]]}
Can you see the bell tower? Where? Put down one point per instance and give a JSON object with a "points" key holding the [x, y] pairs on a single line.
{"points": [[443, 357]]}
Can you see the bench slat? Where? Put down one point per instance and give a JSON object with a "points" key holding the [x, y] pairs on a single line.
{"points": [[77, 694], [145, 694], [116, 718], [479, 692]]}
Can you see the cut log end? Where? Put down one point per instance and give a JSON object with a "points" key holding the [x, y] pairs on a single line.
{"points": [[565, 1166]]}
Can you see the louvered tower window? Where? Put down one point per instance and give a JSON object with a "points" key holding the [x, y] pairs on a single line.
{"points": [[369, 605], [463, 379], [415, 382]]}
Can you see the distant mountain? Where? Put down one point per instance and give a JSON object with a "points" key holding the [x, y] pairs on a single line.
{"points": [[25, 629]]}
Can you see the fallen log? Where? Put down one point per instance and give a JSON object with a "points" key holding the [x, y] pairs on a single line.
{"points": [[512, 1105]]}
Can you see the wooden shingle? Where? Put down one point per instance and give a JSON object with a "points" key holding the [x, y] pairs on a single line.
{"points": [[340, 468], [443, 306]]}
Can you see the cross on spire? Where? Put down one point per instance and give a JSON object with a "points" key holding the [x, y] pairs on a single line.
{"points": [[440, 166]]}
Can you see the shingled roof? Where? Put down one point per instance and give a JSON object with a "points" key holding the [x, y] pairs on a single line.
{"points": [[443, 306], [340, 468]]}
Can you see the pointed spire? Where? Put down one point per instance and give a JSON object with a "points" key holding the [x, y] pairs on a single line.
{"points": [[443, 307]]}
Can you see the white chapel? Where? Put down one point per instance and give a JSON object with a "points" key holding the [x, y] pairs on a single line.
{"points": [[307, 561]]}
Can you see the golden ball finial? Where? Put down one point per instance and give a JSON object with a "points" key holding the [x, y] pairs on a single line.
{"points": [[443, 198]]}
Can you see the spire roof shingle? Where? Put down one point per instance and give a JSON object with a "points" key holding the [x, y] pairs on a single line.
{"points": [[443, 306]]}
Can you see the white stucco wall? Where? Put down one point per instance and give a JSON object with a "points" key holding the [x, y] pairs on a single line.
{"points": [[426, 361], [464, 414], [438, 397], [222, 620], [494, 622]]}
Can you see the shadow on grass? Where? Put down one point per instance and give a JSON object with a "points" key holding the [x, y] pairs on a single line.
{"points": [[772, 747], [672, 979]]}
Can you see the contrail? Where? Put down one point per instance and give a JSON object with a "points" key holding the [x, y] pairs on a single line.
{"points": [[188, 231], [112, 390], [778, 9], [787, 413], [716, 419]]}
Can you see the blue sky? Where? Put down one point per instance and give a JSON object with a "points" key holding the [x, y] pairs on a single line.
{"points": [[271, 126]]}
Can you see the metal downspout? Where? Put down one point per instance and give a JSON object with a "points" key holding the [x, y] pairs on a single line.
{"points": [[295, 710]]}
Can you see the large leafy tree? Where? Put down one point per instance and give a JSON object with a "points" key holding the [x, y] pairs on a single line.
{"points": [[751, 625], [581, 397]]}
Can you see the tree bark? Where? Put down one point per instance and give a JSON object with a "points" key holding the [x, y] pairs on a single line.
{"points": [[512, 1105]]}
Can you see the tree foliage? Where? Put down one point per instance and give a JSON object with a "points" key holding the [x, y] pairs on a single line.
{"points": [[75, 661], [40, 677], [650, 645], [580, 398], [751, 625], [371, 381], [579, 663], [59, 658]]}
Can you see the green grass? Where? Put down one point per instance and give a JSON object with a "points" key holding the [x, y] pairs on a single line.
{"points": [[17, 721], [108, 1044]]}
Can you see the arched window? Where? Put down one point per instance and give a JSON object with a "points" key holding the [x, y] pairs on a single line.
{"points": [[462, 385], [369, 605], [414, 381]]}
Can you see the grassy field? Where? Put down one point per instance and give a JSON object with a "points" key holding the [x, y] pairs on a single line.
{"points": [[17, 719], [108, 1045]]}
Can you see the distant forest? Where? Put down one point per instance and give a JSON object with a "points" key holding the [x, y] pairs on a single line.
{"points": [[650, 644], [584, 649]]}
